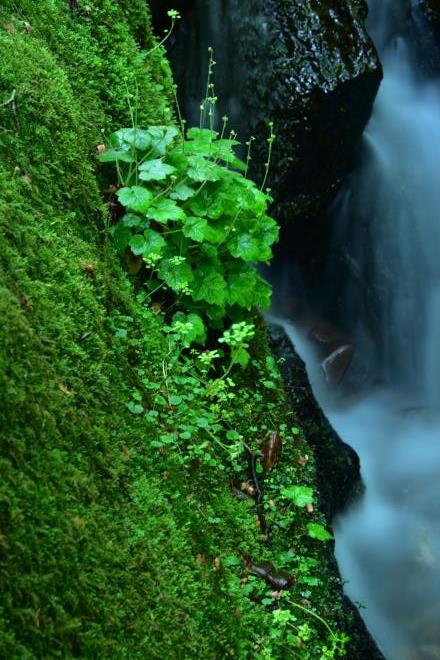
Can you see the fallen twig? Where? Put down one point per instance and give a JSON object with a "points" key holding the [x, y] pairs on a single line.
{"points": [[12, 102]]}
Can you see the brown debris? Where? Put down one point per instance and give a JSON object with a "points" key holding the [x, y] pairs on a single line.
{"points": [[278, 580], [272, 450]]}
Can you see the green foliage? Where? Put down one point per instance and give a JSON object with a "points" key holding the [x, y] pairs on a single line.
{"points": [[97, 547], [299, 495], [317, 531], [199, 224]]}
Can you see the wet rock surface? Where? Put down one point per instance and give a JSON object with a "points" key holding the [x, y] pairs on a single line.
{"points": [[309, 66], [338, 469], [338, 464], [431, 9]]}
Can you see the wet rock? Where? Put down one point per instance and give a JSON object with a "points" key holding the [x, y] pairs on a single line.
{"points": [[327, 335], [309, 66], [338, 471], [336, 364], [335, 348], [431, 9]]}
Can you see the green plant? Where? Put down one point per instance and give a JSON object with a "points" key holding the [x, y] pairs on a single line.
{"points": [[196, 222], [175, 16]]}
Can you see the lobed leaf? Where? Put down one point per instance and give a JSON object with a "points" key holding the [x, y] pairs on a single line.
{"points": [[299, 495], [209, 285], [176, 275], [129, 138], [165, 209], [115, 155], [317, 531], [154, 243], [182, 192], [155, 170], [135, 198]]}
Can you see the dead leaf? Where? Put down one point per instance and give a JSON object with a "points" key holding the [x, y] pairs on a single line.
{"points": [[278, 580], [248, 488], [64, 389], [272, 450], [101, 148]]}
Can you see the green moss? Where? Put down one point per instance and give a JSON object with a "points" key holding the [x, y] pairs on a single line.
{"points": [[106, 544], [98, 553]]}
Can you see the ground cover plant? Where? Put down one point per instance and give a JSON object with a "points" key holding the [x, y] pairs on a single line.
{"points": [[192, 229]]}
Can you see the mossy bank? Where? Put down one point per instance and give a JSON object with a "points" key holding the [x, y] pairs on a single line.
{"points": [[110, 547]]}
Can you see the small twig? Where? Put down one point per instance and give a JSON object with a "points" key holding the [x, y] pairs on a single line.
{"points": [[252, 461], [12, 102]]}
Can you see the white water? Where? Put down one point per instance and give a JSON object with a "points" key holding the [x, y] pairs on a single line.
{"points": [[388, 544]]}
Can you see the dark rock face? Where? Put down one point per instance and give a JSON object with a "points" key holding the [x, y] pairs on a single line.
{"points": [[338, 467], [309, 66], [338, 464], [431, 9], [325, 79]]}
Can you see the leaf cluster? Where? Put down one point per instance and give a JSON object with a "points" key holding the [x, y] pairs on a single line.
{"points": [[197, 222]]}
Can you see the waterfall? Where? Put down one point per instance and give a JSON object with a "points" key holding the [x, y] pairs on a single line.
{"points": [[386, 232], [390, 212]]}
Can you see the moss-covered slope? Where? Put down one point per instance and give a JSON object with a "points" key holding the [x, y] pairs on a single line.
{"points": [[96, 549], [110, 548]]}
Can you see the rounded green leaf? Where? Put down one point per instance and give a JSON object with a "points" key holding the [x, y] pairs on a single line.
{"points": [[195, 228], [135, 198], [201, 169], [246, 247], [130, 138], [299, 495], [177, 274], [114, 155], [317, 531], [182, 192], [155, 170], [164, 209], [209, 285], [135, 221], [154, 243], [137, 244]]}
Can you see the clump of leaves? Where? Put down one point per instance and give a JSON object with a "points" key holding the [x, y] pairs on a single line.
{"points": [[198, 223]]}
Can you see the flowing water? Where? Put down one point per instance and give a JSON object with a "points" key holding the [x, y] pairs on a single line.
{"points": [[388, 219]]}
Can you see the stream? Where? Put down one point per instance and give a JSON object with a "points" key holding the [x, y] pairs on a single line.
{"points": [[387, 220]]}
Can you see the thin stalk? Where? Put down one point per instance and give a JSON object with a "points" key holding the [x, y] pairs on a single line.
{"points": [[174, 17], [270, 140], [311, 613]]}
